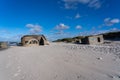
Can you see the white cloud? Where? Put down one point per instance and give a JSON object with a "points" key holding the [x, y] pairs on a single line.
{"points": [[16, 37], [115, 21], [111, 22], [73, 4], [77, 16], [30, 25], [106, 19], [61, 26], [115, 29], [70, 4], [78, 27], [34, 29], [95, 4], [4, 32]]}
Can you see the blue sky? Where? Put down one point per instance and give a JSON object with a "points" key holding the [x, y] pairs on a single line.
{"points": [[57, 18]]}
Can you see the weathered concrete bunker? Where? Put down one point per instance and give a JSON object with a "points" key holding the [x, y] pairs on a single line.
{"points": [[3, 45], [34, 40], [95, 39]]}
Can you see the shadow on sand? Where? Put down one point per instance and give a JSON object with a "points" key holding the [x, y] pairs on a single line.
{"points": [[2, 49]]}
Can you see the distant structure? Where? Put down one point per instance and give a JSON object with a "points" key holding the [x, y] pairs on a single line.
{"points": [[95, 39], [3, 45], [34, 40]]}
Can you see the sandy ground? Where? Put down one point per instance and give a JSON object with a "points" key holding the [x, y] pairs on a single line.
{"points": [[60, 61]]}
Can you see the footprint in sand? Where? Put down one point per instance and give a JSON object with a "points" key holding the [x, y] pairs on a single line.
{"points": [[19, 69], [16, 74], [55, 76], [114, 77], [81, 77]]}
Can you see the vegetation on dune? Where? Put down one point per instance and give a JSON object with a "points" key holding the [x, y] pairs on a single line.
{"points": [[64, 40], [112, 35], [69, 40]]}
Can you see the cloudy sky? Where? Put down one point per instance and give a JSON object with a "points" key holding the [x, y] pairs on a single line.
{"points": [[57, 18]]}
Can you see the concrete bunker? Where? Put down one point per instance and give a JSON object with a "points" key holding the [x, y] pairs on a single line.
{"points": [[95, 39], [37, 40], [3, 45]]}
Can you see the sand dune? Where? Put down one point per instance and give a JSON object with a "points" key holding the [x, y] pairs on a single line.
{"points": [[61, 61]]}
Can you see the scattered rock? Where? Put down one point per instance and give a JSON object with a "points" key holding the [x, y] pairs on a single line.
{"points": [[55, 76], [78, 77], [100, 58]]}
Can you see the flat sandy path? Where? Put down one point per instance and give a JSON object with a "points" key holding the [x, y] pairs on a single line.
{"points": [[57, 61]]}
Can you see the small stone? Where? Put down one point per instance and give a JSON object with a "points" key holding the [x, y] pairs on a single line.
{"points": [[118, 76], [100, 58], [78, 77]]}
